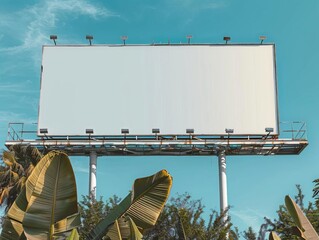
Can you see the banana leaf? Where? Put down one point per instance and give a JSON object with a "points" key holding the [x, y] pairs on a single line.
{"points": [[300, 219], [114, 232], [8, 158], [273, 236], [124, 228], [143, 205], [135, 233], [298, 232], [47, 205], [74, 235]]}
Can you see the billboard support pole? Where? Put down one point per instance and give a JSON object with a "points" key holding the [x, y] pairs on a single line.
{"points": [[92, 180], [222, 183]]}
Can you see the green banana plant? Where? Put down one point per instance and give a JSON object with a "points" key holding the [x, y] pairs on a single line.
{"points": [[273, 236], [140, 209], [74, 235], [124, 228], [305, 230], [47, 206]]}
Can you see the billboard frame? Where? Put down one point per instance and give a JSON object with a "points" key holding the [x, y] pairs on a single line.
{"points": [[141, 136]]}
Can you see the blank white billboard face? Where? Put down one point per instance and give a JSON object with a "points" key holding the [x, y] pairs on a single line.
{"points": [[203, 87]]}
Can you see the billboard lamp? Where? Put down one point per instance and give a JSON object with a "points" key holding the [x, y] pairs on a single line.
{"points": [[229, 130], [89, 131], [155, 130], [125, 131], [90, 38], [189, 37], [54, 38], [190, 130], [124, 38], [227, 39], [262, 38], [269, 130], [44, 130]]}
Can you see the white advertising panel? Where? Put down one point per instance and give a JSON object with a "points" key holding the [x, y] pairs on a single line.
{"points": [[171, 87]]}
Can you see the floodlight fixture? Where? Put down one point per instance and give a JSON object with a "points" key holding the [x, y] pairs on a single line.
{"points": [[189, 130], [89, 131], [124, 38], [43, 130], [189, 37], [229, 130], [227, 39], [269, 130], [262, 38], [90, 38], [155, 130], [54, 38], [125, 131]]}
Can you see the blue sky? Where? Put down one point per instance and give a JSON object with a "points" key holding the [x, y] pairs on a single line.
{"points": [[257, 185]]}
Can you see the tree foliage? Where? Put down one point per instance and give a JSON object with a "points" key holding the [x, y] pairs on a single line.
{"points": [[93, 211], [182, 218], [189, 213], [250, 234], [284, 224], [16, 166]]}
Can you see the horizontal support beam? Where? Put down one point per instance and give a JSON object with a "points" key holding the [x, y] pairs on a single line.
{"points": [[170, 147]]}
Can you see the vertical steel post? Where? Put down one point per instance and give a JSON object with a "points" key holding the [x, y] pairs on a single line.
{"points": [[222, 183], [92, 177]]}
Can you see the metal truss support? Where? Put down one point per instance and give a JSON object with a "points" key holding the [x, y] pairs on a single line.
{"points": [[223, 184], [92, 177]]}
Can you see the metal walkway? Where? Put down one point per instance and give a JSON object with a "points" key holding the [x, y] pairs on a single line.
{"points": [[293, 141]]}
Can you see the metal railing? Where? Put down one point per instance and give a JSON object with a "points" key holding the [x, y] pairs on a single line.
{"points": [[19, 131], [295, 130]]}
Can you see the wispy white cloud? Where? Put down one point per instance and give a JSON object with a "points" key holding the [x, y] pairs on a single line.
{"points": [[9, 116], [80, 169], [33, 25], [200, 5], [215, 5], [15, 88], [191, 9], [250, 217]]}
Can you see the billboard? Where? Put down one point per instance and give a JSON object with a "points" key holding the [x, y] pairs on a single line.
{"points": [[170, 87]]}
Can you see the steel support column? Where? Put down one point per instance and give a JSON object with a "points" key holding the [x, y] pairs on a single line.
{"points": [[92, 177], [222, 183]]}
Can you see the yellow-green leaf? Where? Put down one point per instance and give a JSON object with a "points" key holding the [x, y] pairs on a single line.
{"points": [[300, 219], [4, 194], [8, 158], [274, 236], [11, 229], [135, 234], [14, 176], [114, 232], [48, 202], [124, 228], [70, 222], [143, 205], [74, 235], [148, 198], [298, 232]]}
